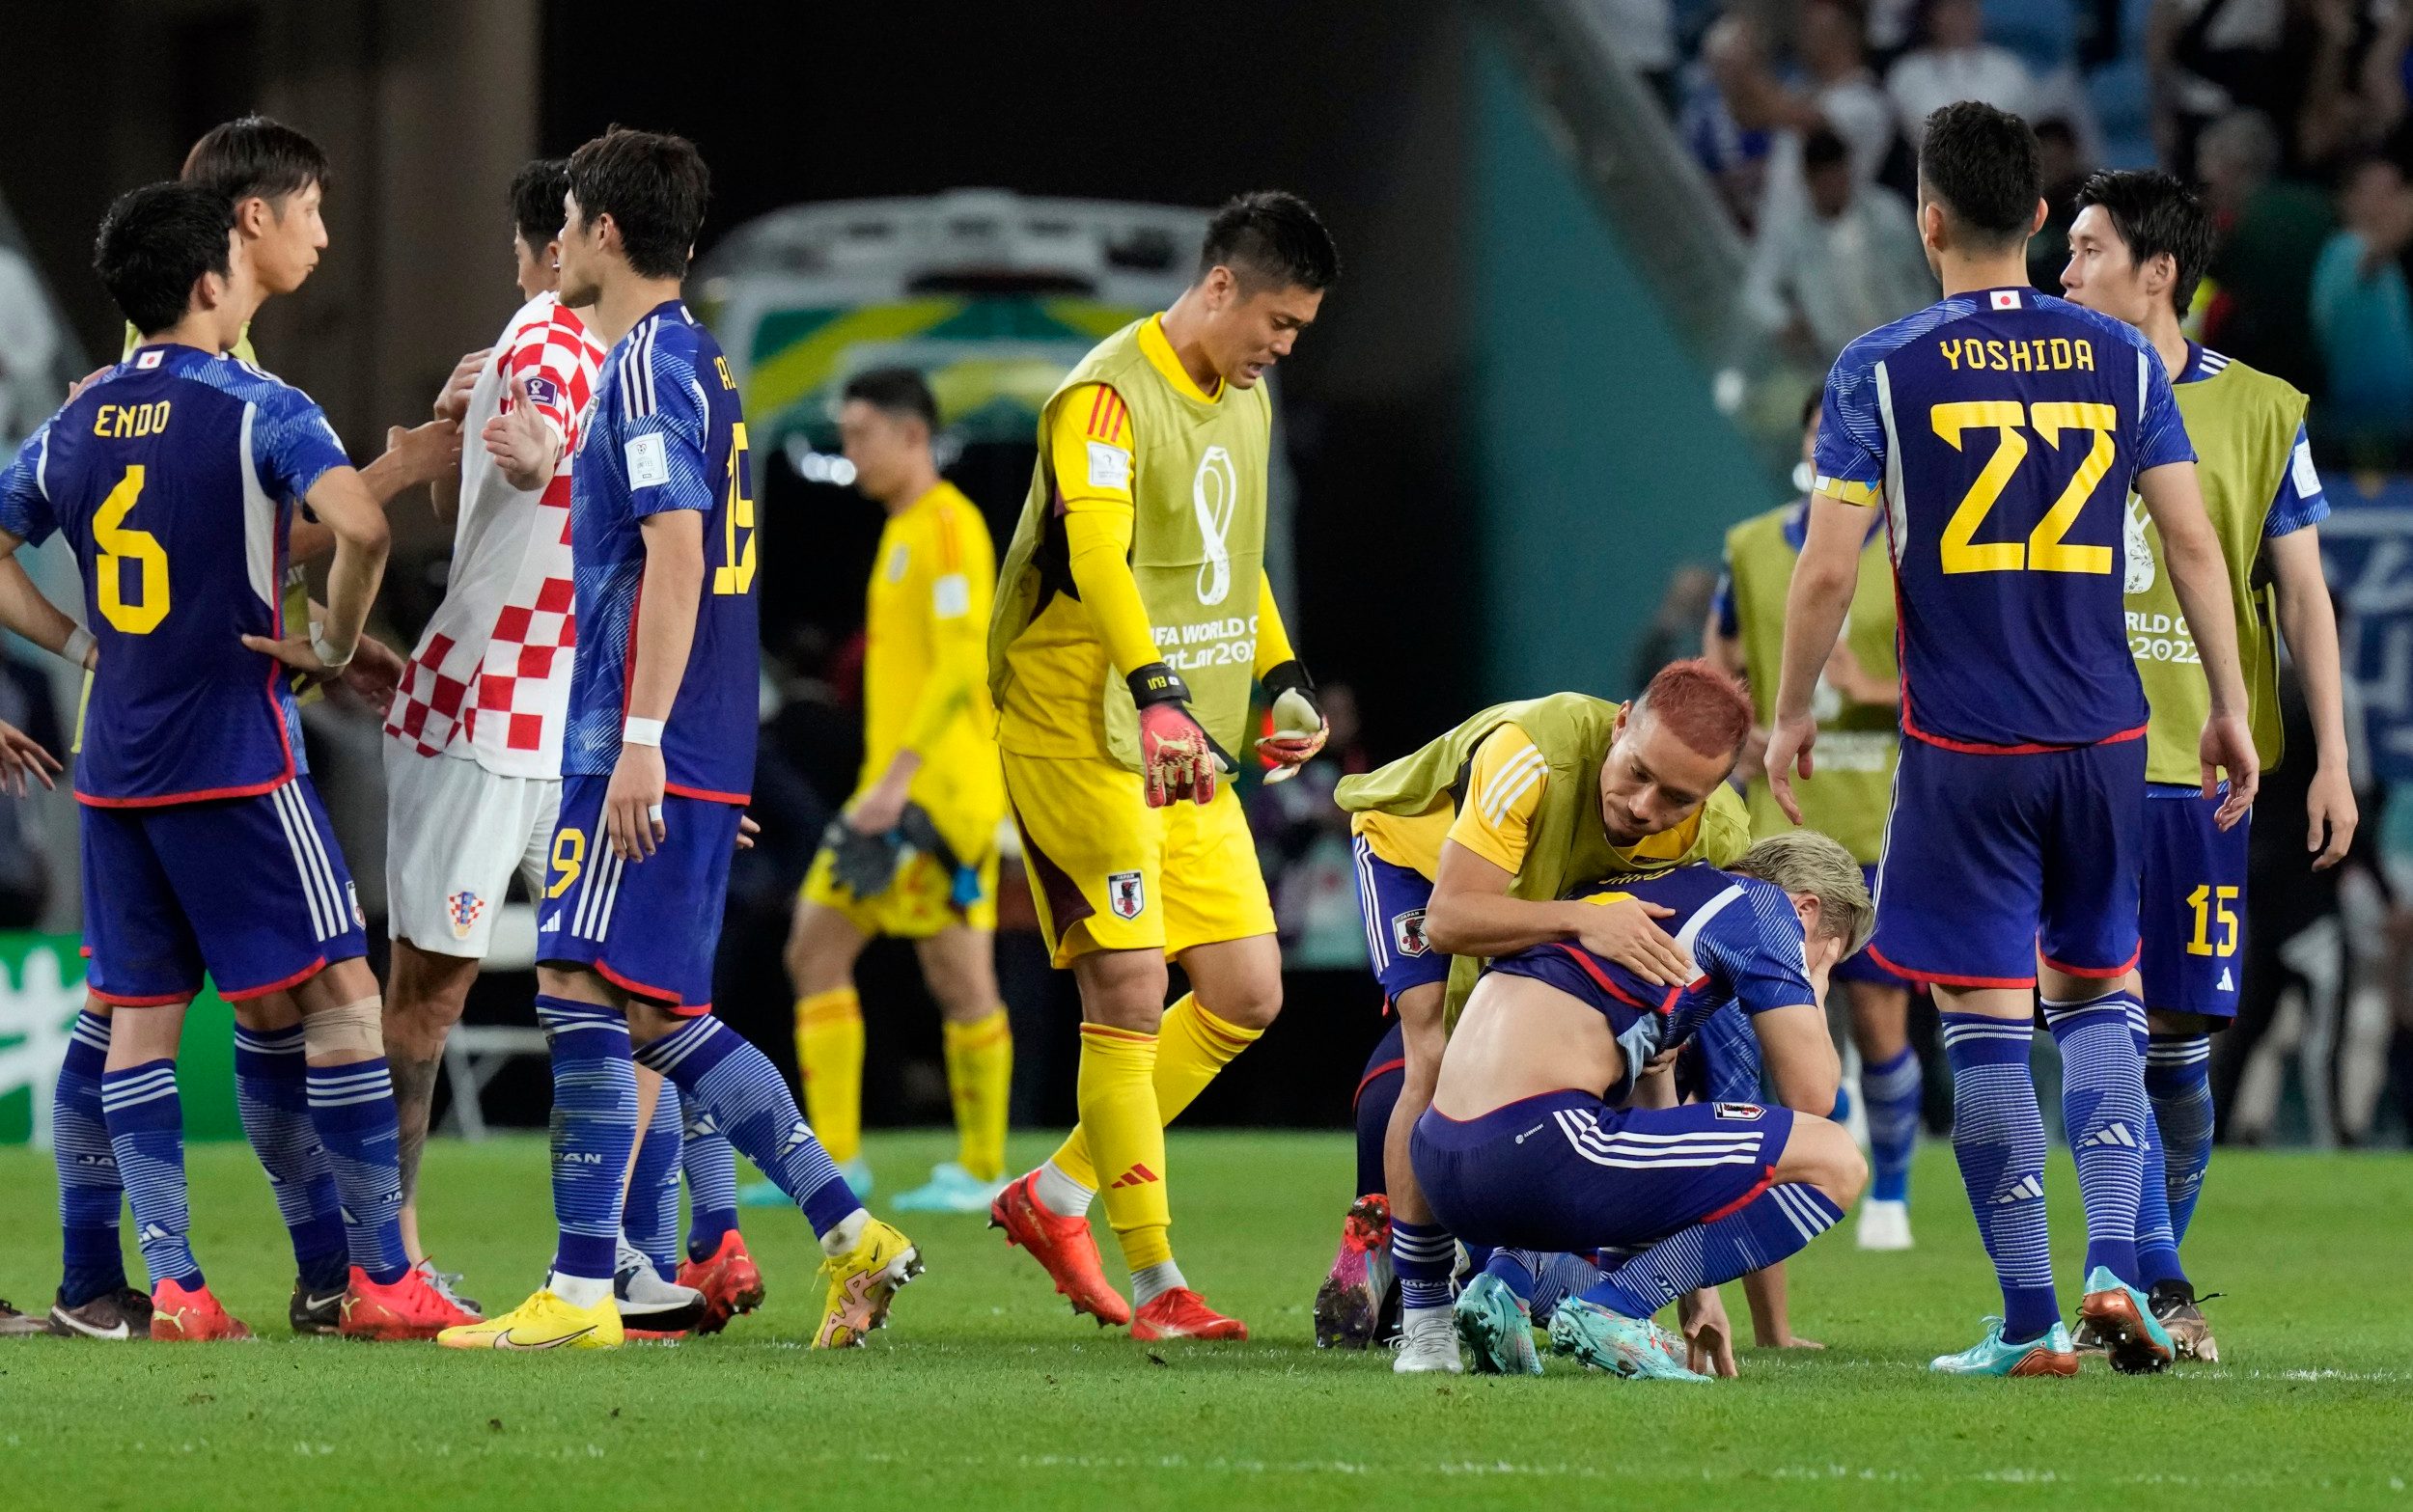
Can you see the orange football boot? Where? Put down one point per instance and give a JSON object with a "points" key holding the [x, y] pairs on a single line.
{"points": [[1183, 1313], [178, 1315], [728, 1280], [1064, 1248], [407, 1308]]}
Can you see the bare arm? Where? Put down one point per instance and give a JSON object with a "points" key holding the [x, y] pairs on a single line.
{"points": [[2201, 577], [346, 508], [24, 610], [1800, 1057], [2311, 629], [1816, 606], [665, 633], [1471, 914], [422, 454]]}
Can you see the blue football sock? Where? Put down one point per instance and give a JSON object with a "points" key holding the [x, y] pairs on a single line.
{"points": [[1377, 1093], [717, 1070], [594, 1125], [272, 1095], [1763, 1231], [1518, 1270], [1891, 1091], [1998, 1139], [711, 1171], [1423, 1255], [2103, 1113], [147, 1132], [352, 1108], [88, 1194], [652, 1218], [2179, 1077]]}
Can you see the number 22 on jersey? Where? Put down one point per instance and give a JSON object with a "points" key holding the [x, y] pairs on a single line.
{"points": [[119, 545], [2045, 550]]}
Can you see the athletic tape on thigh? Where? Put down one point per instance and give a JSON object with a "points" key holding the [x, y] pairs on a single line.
{"points": [[355, 1027]]}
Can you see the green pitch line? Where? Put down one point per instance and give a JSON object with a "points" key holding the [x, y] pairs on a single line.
{"points": [[987, 1392]]}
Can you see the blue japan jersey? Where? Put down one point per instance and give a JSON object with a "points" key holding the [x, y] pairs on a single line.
{"points": [[665, 431], [173, 476], [2002, 432], [1744, 936]]}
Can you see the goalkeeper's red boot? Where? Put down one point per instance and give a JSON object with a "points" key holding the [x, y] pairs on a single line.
{"points": [[1183, 1313], [1064, 1248], [728, 1280]]}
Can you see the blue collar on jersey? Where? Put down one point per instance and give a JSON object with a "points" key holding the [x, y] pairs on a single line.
{"points": [[1797, 524], [2201, 364]]}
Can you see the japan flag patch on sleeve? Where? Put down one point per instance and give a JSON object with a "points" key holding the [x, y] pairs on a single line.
{"points": [[649, 465]]}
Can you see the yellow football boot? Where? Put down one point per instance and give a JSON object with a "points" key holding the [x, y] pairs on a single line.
{"points": [[544, 1321], [862, 1282]]}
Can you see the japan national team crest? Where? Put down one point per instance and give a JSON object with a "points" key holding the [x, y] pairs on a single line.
{"points": [[463, 909], [1407, 933], [1125, 895]]}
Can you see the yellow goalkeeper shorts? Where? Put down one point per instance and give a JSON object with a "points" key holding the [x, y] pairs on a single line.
{"points": [[1110, 873], [918, 903]]}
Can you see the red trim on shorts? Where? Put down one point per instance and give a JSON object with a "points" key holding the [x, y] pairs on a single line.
{"points": [[246, 994], [1767, 1179], [205, 795], [118, 1001], [709, 795], [1374, 1076], [661, 996], [1941, 979], [2096, 972], [1911, 727]]}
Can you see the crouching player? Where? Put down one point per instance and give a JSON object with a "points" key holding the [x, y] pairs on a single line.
{"points": [[1545, 1132]]}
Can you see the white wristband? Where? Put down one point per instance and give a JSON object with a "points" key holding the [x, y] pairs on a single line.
{"points": [[325, 653], [79, 644], [641, 732]]}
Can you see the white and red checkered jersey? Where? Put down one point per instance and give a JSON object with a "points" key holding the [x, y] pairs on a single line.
{"points": [[491, 678]]}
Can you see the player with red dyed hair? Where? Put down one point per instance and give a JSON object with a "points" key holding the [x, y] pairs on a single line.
{"points": [[1465, 850]]}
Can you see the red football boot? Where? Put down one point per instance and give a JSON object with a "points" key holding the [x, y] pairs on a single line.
{"points": [[728, 1280], [190, 1316], [412, 1307], [1183, 1313], [1064, 1248]]}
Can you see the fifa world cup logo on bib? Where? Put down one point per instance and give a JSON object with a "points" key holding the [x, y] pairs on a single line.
{"points": [[2139, 548], [1214, 493]]}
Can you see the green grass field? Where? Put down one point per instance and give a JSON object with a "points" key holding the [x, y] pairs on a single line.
{"points": [[984, 1391]]}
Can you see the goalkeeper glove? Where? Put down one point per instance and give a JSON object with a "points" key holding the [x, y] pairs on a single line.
{"points": [[1178, 759], [864, 864], [1296, 726]]}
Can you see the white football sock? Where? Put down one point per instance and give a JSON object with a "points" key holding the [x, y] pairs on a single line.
{"points": [[1152, 1282], [580, 1291], [845, 1234], [1061, 1195]]}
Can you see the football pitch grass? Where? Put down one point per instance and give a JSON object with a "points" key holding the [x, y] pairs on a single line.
{"points": [[985, 1393]]}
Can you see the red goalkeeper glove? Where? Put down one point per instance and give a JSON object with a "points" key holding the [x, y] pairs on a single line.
{"points": [[1295, 727], [1178, 759]]}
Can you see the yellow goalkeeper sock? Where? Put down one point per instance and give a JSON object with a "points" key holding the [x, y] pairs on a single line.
{"points": [[829, 1049], [1192, 1046], [979, 1077], [1117, 1096]]}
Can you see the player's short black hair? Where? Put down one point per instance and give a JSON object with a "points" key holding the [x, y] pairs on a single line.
{"points": [[154, 244], [653, 185], [255, 156], [2154, 213], [1980, 163], [894, 391], [1271, 237], [536, 191]]}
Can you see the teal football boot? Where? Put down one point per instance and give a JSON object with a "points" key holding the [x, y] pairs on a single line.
{"points": [[2051, 1354], [1497, 1328], [2123, 1319], [1610, 1341]]}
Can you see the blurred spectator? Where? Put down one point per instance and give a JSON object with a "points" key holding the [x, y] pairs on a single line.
{"points": [[1674, 629], [2271, 232], [2065, 169], [1834, 89], [29, 351], [1952, 63], [1733, 154], [2354, 84], [1851, 263], [1641, 34], [2363, 317], [1303, 847]]}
